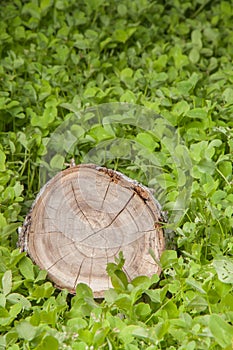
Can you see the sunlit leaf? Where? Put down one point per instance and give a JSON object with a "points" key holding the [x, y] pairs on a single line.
{"points": [[25, 330], [26, 268], [7, 282], [224, 269], [221, 330]]}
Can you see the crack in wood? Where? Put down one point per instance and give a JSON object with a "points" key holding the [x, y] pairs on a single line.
{"points": [[114, 219], [105, 195], [78, 274], [134, 221], [72, 186], [118, 214], [61, 258]]}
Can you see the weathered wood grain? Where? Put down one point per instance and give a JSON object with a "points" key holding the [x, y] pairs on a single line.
{"points": [[83, 218]]}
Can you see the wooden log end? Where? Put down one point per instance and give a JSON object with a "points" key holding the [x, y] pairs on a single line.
{"points": [[83, 217]]}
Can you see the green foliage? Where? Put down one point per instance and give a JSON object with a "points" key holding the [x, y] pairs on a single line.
{"points": [[174, 57]]}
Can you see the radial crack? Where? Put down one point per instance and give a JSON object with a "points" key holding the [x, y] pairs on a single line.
{"points": [[78, 273], [134, 221], [72, 186], [61, 258], [114, 219], [105, 195]]}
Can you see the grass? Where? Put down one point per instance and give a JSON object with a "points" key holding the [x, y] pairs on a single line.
{"points": [[58, 58]]}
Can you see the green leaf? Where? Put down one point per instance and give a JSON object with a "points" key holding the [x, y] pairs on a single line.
{"points": [[26, 268], [76, 323], [57, 162], [225, 168], [218, 196], [211, 34], [2, 160], [90, 92], [49, 114], [181, 107], [142, 281], [224, 269], [2, 300], [3, 222], [154, 295], [179, 59], [126, 73], [77, 131], [7, 282], [122, 10], [45, 5], [41, 276], [48, 343], [128, 96], [120, 149], [142, 310], [123, 35], [221, 330], [154, 278], [126, 76], [196, 37], [86, 336], [16, 298], [100, 336], [168, 258], [194, 55], [31, 9], [47, 118], [43, 291], [99, 133], [228, 95], [18, 188], [3, 313], [195, 284], [128, 333], [197, 113], [25, 330], [45, 90], [198, 303], [119, 280], [161, 328], [79, 346], [83, 291], [123, 302], [184, 88], [140, 332], [2, 342], [147, 141]]}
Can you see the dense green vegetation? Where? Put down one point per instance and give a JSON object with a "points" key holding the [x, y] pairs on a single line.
{"points": [[174, 57]]}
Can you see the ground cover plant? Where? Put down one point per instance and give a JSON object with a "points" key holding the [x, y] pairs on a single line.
{"points": [[174, 57]]}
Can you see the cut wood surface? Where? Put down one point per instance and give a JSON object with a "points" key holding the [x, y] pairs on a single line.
{"points": [[83, 217]]}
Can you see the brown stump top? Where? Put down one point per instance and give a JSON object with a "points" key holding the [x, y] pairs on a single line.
{"points": [[83, 217]]}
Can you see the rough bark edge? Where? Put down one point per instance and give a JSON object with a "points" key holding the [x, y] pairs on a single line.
{"points": [[137, 187]]}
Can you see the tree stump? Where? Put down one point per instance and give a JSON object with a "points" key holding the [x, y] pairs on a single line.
{"points": [[83, 217]]}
